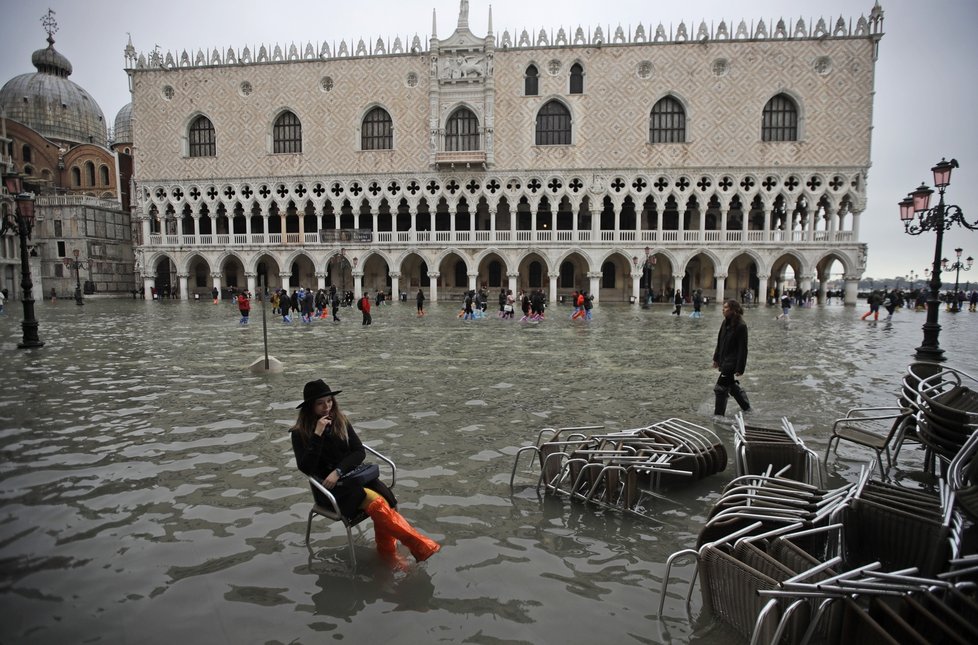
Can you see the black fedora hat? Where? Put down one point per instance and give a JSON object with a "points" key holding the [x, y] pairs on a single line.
{"points": [[315, 390]]}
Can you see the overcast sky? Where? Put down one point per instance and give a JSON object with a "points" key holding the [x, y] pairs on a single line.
{"points": [[926, 87]]}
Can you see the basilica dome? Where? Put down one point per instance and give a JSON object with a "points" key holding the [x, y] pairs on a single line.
{"points": [[122, 131], [49, 103]]}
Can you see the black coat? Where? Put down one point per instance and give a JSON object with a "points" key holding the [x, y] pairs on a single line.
{"points": [[731, 351], [322, 455]]}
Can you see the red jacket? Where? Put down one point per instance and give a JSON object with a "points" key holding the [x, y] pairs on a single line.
{"points": [[244, 305]]}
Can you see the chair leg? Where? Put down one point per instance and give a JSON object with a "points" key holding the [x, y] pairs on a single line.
{"points": [[308, 526], [349, 539]]}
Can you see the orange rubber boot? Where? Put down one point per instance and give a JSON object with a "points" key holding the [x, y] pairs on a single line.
{"points": [[389, 522]]}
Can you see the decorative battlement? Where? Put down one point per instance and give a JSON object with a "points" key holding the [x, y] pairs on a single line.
{"points": [[722, 32]]}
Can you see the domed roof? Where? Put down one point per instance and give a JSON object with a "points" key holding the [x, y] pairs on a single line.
{"points": [[122, 131], [49, 103]]}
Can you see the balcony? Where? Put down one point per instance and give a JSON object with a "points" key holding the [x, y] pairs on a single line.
{"points": [[461, 158], [482, 238]]}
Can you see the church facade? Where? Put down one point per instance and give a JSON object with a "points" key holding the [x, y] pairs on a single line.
{"points": [[718, 158]]}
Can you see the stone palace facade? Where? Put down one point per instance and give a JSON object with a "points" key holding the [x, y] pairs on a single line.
{"points": [[721, 158]]}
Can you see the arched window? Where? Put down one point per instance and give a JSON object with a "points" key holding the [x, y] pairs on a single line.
{"points": [[376, 131], [576, 79], [531, 82], [202, 139], [287, 134], [553, 125], [462, 131], [667, 124], [780, 119], [90, 173], [75, 176], [103, 175], [25, 153]]}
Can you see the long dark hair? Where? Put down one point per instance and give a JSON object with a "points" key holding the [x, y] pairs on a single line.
{"points": [[738, 311], [305, 423]]}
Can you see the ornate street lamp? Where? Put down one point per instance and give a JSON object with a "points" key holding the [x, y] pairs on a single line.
{"points": [[22, 221], [77, 264], [912, 277], [957, 267], [918, 217]]}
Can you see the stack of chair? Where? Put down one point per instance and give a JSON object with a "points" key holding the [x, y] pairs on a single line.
{"points": [[758, 447], [947, 404], [900, 527], [620, 469]]}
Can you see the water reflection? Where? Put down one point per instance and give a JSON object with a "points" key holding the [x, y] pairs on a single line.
{"points": [[149, 490]]}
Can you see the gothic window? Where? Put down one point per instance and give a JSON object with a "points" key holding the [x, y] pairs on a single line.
{"points": [[553, 125], [376, 131], [462, 131], [780, 119], [103, 175], [202, 138], [90, 173], [667, 123], [531, 82], [576, 79], [287, 134], [75, 176]]}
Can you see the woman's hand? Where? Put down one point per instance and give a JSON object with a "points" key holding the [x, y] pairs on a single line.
{"points": [[331, 480], [321, 425]]}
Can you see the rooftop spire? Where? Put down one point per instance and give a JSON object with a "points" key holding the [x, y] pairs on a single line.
{"points": [[490, 21], [434, 24], [463, 15]]}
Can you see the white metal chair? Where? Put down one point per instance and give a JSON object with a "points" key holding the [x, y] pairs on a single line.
{"points": [[332, 511]]}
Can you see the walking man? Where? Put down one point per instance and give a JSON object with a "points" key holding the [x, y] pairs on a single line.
{"points": [[730, 357]]}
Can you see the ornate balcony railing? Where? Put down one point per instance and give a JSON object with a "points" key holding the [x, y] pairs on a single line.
{"points": [[545, 237]]}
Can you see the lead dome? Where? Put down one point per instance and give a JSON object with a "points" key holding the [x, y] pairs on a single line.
{"points": [[51, 104]]}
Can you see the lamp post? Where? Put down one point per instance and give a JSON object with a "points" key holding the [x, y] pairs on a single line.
{"points": [[957, 267], [912, 277], [22, 220], [918, 217], [77, 264]]}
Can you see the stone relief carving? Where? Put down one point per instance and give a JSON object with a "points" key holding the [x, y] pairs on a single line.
{"points": [[462, 66]]}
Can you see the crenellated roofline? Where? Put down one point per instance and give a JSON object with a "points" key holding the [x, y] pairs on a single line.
{"points": [[745, 31]]}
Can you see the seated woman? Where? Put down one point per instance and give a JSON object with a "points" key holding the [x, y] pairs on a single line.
{"points": [[326, 446]]}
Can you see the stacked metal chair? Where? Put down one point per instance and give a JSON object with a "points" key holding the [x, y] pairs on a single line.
{"points": [[947, 409], [757, 447], [624, 469]]}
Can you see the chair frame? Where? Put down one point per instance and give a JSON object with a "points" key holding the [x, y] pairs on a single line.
{"points": [[333, 511], [848, 428]]}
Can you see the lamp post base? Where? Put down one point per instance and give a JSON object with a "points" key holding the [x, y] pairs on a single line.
{"points": [[929, 354]]}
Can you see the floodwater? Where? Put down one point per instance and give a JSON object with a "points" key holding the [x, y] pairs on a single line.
{"points": [[149, 492]]}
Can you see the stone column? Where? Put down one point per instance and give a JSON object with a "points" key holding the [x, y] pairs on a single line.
{"points": [[594, 284], [552, 285], [852, 289], [252, 280], [677, 282], [182, 281], [513, 284], [395, 285], [636, 284], [284, 279], [148, 286], [321, 280], [823, 279], [721, 286], [804, 283], [762, 289], [855, 235], [413, 232], [146, 232], [433, 285], [472, 280], [215, 284], [357, 283]]}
